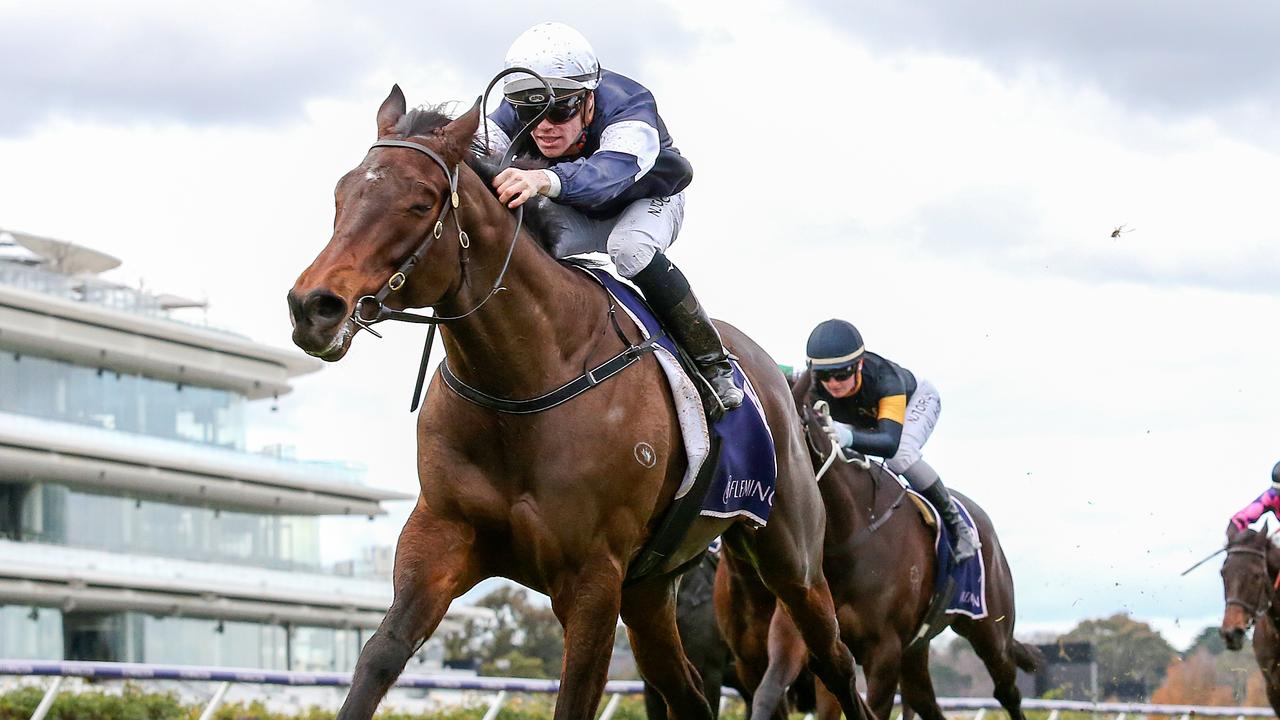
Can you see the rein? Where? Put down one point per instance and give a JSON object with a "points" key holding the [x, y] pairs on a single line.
{"points": [[823, 410], [584, 382], [453, 202], [377, 310], [398, 278]]}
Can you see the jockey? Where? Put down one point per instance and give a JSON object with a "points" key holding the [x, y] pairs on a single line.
{"points": [[610, 159], [1269, 500], [882, 409]]}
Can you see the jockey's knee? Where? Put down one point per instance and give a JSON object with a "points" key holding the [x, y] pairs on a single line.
{"points": [[631, 251], [920, 474]]}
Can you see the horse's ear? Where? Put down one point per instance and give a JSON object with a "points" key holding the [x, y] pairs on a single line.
{"points": [[393, 108], [458, 134], [1234, 533]]}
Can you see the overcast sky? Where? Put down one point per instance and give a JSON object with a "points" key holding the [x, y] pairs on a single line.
{"points": [[944, 175]]}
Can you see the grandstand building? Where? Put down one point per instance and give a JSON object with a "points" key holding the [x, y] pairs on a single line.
{"points": [[134, 524]]}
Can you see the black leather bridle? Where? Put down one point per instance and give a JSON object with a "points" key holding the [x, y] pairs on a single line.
{"points": [[450, 203], [1266, 588]]}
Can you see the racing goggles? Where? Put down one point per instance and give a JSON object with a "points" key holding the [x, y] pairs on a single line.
{"points": [[562, 110], [838, 374]]}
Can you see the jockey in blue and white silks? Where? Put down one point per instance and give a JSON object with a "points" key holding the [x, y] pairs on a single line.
{"points": [[611, 159]]}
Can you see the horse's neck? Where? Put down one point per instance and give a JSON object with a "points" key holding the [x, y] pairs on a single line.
{"points": [[1273, 562], [518, 344], [851, 496]]}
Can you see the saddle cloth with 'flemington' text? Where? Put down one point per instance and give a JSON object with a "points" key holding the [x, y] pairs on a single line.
{"points": [[747, 471]]}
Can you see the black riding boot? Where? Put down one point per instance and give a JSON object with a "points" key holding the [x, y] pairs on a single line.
{"points": [[964, 541], [671, 298]]}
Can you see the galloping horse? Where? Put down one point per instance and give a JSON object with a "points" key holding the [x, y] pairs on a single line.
{"points": [[560, 501], [1249, 580], [880, 561]]}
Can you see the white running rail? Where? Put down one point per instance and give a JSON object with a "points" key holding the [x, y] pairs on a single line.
{"points": [[226, 677]]}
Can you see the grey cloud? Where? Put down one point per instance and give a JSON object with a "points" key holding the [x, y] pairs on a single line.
{"points": [[1002, 229], [1253, 272], [157, 63], [1179, 56], [152, 65], [475, 40]]}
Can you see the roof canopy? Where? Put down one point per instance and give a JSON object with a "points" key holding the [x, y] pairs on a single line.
{"points": [[64, 256]]}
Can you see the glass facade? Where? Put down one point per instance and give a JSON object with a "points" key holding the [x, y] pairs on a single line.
{"points": [[30, 633], [58, 515], [33, 510], [319, 649], [196, 641], [36, 633], [57, 390]]}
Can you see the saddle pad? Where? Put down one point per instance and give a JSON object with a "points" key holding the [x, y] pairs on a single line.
{"points": [[745, 476], [970, 576]]}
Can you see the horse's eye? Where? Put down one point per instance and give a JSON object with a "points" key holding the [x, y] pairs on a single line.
{"points": [[420, 209]]}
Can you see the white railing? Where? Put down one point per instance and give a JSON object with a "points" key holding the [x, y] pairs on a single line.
{"points": [[226, 677]]}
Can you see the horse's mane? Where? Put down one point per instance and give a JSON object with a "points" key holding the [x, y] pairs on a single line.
{"points": [[539, 212]]}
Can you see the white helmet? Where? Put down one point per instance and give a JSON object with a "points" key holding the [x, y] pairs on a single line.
{"points": [[558, 53]]}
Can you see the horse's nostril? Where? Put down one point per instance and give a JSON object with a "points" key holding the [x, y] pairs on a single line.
{"points": [[325, 308], [1233, 637]]}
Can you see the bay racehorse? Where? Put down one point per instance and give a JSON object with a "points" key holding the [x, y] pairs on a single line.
{"points": [[1250, 575], [560, 501], [880, 561]]}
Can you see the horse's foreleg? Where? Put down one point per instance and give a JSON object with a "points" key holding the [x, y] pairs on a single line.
{"points": [[649, 610], [588, 609], [787, 655], [917, 686], [828, 705], [743, 608], [995, 646], [882, 668], [789, 552], [431, 568]]}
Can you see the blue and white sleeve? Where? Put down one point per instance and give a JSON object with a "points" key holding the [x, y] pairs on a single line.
{"points": [[628, 150]]}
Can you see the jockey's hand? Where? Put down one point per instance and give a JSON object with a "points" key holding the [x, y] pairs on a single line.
{"points": [[516, 186]]}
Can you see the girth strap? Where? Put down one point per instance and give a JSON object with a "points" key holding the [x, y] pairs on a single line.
{"points": [[560, 395]]}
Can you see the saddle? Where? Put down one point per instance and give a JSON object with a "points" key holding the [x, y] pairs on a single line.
{"points": [[926, 511]]}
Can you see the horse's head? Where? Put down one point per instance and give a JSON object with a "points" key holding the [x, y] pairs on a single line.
{"points": [[1247, 582], [386, 209]]}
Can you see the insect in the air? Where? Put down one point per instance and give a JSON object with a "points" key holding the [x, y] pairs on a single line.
{"points": [[1120, 231]]}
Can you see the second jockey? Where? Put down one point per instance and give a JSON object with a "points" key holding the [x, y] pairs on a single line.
{"points": [[610, 159], [881, 409], [1268, 501]]}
